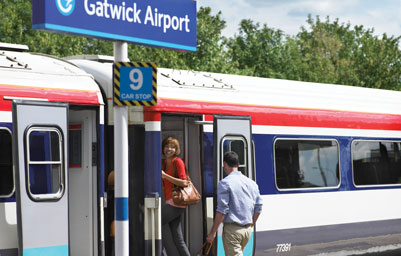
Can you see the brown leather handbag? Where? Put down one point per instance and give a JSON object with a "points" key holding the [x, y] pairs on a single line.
{"points": [[184, 195]]}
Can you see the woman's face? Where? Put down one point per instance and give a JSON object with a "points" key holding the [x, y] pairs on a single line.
{"points": [[169, 150]]}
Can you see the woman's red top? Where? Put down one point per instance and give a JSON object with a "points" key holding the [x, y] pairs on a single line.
{"points": [[180, 167]]}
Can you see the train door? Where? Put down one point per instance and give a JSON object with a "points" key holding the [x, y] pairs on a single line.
{"points": [[232, 133], [187, 130], [40, 157]]}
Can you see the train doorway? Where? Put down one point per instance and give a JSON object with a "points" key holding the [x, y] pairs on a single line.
{"points": [[83, 182], [202, 147], [188, 132]]}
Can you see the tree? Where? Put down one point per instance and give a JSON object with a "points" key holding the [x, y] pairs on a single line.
{"points": [[210, 54], [16, 27], [326, 51], [336, 53], [264, 51]]}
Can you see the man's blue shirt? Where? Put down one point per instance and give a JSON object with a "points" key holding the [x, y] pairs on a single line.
{"points": [[238, 198]]}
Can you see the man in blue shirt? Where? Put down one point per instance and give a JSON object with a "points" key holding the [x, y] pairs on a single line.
{"points": [[238, 205]]}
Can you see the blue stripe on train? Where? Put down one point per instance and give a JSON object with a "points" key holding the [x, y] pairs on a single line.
{"points": [[152, 172], [61, 250], [10, 199], [264, 157]]}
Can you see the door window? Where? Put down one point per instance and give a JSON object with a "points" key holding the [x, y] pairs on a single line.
{"points": [[238, 145], [45, 168]]}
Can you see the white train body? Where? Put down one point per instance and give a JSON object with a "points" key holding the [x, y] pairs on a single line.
{"points": [[341, 142], [327, 159], [51, 125]]}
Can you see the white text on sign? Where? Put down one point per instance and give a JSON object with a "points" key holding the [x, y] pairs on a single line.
{"points": [[133, 14]]}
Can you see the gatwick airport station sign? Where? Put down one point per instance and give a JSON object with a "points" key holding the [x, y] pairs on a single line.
{"points": [[160, 23]]}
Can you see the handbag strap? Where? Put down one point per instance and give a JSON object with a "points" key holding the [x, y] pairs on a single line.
{"points": [[207, 248], [175, 170]]}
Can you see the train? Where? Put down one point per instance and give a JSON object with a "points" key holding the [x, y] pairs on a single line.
{"points": [[326, 158]]}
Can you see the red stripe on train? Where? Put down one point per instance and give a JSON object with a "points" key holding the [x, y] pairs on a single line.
{"points": [[280, 116], [56, 95]]}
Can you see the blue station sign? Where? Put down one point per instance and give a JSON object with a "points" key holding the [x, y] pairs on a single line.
{"points": [[160, 23]]}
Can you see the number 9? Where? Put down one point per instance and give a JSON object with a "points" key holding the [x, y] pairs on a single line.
{"points": [[136, 82]]}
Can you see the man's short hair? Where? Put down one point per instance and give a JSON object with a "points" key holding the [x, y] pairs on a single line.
{"points": [[231, 158]]}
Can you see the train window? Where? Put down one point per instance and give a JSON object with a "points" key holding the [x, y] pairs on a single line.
{"points": [[376, 162], [239, 146], [45, 163], [75, 146], [6, 164], [303, 163]]}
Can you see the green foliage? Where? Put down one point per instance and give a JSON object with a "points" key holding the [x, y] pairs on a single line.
{"points": [[336, 53], [210, 54], [263, 51], [16, 27], [326, 51]]}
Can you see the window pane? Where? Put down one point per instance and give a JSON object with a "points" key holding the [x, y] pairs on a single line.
{"points": [[44, 179], [75, 145], [306, 164], [236, 144], [6, 167], [45, 165], [238, 147], [44, 146], [376, 162]]}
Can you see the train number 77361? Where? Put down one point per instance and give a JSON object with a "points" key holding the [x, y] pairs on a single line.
{"points": [[283, 247]]}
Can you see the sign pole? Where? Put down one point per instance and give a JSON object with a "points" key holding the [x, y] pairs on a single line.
{"points": [[121, 165]]}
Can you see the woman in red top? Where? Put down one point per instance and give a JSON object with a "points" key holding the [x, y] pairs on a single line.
{"points": [[173, 173]]}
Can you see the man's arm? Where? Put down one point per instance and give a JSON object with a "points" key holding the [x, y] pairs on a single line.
{"points": [[255, 217], [258, 207], [218, 219]]}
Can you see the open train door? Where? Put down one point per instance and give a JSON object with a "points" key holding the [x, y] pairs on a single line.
{"points": [[40, 158], [232, 133]]}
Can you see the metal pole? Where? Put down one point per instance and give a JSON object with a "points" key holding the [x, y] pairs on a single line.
{"points": [[121, 165], [153, 233]]}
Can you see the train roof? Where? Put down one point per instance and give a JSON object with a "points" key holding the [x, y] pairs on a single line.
{"points": [[204, 88], [38, 76]]}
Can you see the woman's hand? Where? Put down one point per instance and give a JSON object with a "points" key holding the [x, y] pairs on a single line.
{"points": [[185, 183], [163, 175]]}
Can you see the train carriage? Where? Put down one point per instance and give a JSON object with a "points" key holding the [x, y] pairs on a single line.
{"points": [[326, 159], [51, 161]]}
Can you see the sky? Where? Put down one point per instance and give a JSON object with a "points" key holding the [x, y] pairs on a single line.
{"points": [[289, 15]]}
